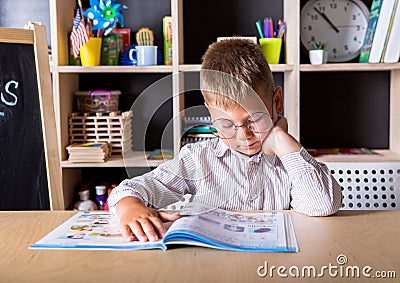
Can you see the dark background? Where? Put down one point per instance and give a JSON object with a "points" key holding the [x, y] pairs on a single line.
{"points": [[23, 174], [338, 109]]}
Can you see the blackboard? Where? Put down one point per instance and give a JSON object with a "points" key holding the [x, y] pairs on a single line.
{"points": [[30, 174]]}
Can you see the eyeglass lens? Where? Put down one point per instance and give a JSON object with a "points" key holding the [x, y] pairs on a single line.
{"points": [[258, 122]]}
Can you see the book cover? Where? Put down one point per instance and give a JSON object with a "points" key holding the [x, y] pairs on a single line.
{"points": [[369, 35], [167, 34], [382, 30], [212, 228], [124, 35], [392, 48], [87, 146], [159, 154]]}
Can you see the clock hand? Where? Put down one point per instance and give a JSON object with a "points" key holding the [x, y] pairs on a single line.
{"points": [[327, 19]]}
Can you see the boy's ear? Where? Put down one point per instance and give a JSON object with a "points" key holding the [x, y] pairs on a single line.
{"points": [[278, 100]]}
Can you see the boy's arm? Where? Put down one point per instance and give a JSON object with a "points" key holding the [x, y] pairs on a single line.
{"points": [[314, 190], [162, 186], [135, 201]]}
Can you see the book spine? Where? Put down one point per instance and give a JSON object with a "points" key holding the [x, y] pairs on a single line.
{"points": [[381, 32], [392, 48], [392, 16], [369, 35], [167, 33]]}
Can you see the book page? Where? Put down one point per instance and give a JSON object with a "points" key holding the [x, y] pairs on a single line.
{"points": [[91, 230], [234, 230]]}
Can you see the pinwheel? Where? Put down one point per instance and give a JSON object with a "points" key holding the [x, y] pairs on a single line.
{"points": [[105, 14]]}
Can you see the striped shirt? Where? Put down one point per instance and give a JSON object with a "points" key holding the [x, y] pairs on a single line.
{"points": [[218, 176]]}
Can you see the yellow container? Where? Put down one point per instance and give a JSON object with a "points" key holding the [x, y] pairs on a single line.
{"points": [[271, 48], [90, 52]]}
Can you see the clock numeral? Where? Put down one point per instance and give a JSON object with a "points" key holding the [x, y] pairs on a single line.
{"points": [[321, 8], [334, 51], [346, 47], [308, 28], [314, 17], [354, 17], [333, 5], [355, 38], [313, 38]]}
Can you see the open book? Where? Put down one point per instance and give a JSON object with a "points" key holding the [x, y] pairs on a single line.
{"points": [[216, 228]]}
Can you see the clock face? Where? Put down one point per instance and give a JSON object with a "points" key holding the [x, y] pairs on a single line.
{"points": [[340, 24]]}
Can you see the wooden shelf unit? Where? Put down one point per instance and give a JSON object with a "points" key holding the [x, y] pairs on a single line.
{"points": [[115, 69], [66, 81]]}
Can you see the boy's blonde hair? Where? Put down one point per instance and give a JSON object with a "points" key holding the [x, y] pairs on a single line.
{"points": [[233, 69]]}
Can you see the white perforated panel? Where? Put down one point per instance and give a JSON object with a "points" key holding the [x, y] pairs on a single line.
{"points": [[368, 186]]}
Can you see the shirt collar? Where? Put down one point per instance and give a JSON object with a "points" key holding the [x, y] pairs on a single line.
{"points": [[220, 148]]}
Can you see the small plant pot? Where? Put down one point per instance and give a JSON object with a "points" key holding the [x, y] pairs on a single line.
{"points": [[317, 56], [325, 57]]}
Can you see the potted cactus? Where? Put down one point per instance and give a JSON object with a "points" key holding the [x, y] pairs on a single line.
{"points": [[318, 54]]}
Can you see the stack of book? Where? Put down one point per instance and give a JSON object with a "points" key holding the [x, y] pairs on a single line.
{"points": [[89, 152], [196, 129], [382, 40]]}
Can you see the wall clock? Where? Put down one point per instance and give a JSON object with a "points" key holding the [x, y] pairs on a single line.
{"points": [[340, 24]]}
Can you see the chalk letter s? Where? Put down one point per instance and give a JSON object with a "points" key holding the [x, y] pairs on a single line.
{"points": [[10, 103]]}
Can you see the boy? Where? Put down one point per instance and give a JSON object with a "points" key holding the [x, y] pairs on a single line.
{"points": [[254, 163]]}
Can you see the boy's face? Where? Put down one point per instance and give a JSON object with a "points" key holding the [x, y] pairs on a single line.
{"points": [[245, 140]]}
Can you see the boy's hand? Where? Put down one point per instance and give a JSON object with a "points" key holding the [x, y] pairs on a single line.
{"points": [[281, 122], [140, 222], [279, 141]]}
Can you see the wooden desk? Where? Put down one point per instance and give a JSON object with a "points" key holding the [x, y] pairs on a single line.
{"points": [[365, 238]]}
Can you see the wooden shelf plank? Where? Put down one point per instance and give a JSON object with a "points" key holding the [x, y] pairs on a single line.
{"points": [[384, 155], [115, 69], [348, 67], [274, 67], [138, 159]]}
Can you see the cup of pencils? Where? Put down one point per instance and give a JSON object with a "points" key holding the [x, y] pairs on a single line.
{"points": [[271, 35]]}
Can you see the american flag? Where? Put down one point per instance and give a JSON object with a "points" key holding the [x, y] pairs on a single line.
{"points": [[79, 35]]}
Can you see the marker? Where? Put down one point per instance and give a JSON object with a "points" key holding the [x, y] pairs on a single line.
{"points": [[260, 32]]}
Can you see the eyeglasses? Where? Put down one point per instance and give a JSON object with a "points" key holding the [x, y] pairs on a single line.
{"points": [[258, 122]]}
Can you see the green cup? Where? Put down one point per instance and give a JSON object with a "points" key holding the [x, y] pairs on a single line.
{"points": [[271, 48]]}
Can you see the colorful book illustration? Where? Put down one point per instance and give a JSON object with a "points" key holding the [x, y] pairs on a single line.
{"points": [[369, 35], [392, 48], [212, 228], [382, 31]]}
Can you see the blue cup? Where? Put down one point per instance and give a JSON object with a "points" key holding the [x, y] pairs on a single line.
{"points": [[145, 55]]}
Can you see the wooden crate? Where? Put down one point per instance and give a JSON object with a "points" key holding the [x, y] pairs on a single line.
{"points": [[98, 127]]}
